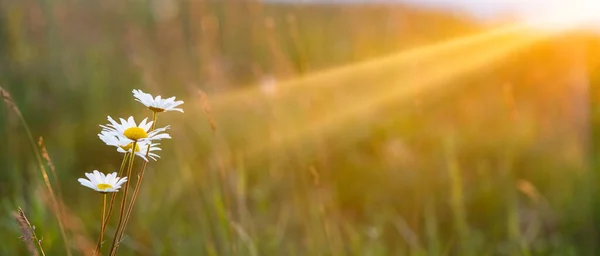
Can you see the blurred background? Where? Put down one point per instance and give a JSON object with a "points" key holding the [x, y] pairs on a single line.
{"points": [[310, 128]]}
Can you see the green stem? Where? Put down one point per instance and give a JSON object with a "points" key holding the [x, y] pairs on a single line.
{"points": [[123, 202], [139, 182], [102, 224], [113, 197]]}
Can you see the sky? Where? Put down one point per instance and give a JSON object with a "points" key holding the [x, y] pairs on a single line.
{"points": [[583, 12], [479, 8]]}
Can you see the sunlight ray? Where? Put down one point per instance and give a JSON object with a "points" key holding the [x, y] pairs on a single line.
{"points": [[340, 75], [398, 90]]}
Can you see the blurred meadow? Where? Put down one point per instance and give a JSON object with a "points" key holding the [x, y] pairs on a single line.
{"points": [[308, 129]]}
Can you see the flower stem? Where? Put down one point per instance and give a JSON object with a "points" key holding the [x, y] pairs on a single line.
{"points": [[115, 244], [139, 182], [113, 197], [102, 224]]}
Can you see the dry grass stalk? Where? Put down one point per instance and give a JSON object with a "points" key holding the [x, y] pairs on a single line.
{"points": [[28, 231], [8, 100], [73, 224], [55, 201], [315, 176], [46, 157], [207, 110]]}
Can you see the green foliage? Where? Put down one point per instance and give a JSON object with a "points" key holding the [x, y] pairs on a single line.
{"points": [[491, 166]]}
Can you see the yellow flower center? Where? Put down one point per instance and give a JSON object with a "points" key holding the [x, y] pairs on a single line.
{"points": [[130, 145], [104, 186], [155, 109], [135, 133]]}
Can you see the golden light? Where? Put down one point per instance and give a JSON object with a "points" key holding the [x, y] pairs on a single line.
{"points": [[563, 15], [451, 64], [339, 76], [369, 86]]}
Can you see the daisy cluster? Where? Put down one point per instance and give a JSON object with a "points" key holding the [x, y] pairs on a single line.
{"points": [[127, 136]]}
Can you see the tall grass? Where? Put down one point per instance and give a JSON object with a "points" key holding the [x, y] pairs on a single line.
{"points": [[34, 244], [434, 175], [55, 203]]}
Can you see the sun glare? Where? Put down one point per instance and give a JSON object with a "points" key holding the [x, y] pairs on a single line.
{"points": [[395, 89], [565, 15]]}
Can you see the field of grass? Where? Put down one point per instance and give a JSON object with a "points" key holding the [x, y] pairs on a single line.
{"points": [[308, 129]]}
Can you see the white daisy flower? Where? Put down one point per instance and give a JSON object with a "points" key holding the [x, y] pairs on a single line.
{"points": [[129, 130], [125, 145], [157, 104], [103, 183]]}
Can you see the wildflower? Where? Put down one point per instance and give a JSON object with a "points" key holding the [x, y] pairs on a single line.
{"points": [[125, 145], [157, 104], [129, 130], [103, 183]]}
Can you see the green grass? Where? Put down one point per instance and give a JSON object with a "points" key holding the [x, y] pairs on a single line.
{"points": [[437, 174]]}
